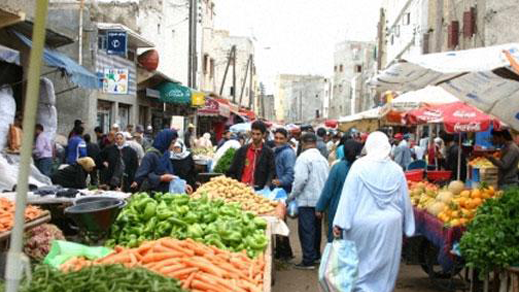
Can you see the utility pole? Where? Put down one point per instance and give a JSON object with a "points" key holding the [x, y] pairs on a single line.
{"points": [[80, 33], [234, 77], [192, 60], [381, 38], [245, 79], [251, 87], [231, 53]]}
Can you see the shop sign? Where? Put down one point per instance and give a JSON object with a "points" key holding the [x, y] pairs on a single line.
{"points": [[115, 81], [174, 93], [117, 42], [197, 99]]}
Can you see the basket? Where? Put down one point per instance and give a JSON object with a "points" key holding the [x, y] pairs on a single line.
{"points": [[414, 175], [439, 175]]}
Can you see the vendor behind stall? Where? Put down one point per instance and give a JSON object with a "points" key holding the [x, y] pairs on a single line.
{"points": [[507, 164], [74, 176], [183, 163]]}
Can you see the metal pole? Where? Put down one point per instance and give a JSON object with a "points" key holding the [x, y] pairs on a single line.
{"points": [[459, 157], [80, 33], [251, 90], [194, 53], [191, 44], [234, 77], [15, 256]]}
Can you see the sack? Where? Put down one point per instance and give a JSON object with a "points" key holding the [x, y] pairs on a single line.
{"points": [[339, 267], [292, 211], [61, 251]]}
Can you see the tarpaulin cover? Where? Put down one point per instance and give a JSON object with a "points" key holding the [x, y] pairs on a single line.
{"points": [[77, 73], [9, 55]]}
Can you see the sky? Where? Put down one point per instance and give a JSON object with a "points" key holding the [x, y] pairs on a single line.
{"points": [[297, 36]]}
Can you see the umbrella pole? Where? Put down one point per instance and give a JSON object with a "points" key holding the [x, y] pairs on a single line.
{"points": [[15, 256], [459, 157]]}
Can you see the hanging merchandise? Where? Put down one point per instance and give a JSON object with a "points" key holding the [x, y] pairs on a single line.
{"points": [[7, 113], [47, 114]]}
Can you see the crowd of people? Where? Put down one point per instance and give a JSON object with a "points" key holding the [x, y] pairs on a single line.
{"points": [[352, 181]]}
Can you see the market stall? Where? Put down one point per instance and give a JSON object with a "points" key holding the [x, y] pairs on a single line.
{"points": [[366, 121]]}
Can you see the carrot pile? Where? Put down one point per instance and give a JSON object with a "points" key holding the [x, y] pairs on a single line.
{"points": [[199, 267], [7, 214]]}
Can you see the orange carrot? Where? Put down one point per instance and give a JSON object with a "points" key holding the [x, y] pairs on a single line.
{"points": [[172, 245], [182, 272], [208, 268], [187, 282], [157, 257], [171, 269]]}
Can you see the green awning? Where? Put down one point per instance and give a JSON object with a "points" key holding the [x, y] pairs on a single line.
{"points": [[174, 93]]}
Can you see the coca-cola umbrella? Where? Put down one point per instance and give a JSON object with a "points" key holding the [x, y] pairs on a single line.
{"points": [[457, 117]]}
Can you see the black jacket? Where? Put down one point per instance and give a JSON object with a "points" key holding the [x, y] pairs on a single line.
{"points": [[185, 169], [112, 154], [72, 176], [265, 166]]}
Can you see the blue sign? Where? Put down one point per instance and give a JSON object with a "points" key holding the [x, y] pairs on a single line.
{"points": [[116, 42]]}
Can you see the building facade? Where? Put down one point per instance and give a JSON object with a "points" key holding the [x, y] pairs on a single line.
{"points": [[354, 64], [302, 96], [241, 89]]}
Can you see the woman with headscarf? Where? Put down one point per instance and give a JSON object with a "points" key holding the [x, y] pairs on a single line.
{"points": [[374, 211], [183, 163], [156, 171], [75, 175], [331, 194], [119, 162]]}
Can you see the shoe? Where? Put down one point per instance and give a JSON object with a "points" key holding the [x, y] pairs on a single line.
{"points": [[303, 266], [317, 261]]}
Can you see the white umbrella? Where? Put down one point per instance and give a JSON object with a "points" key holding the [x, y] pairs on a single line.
{"points": [[240, 128], [482, 77], [415, 99]]}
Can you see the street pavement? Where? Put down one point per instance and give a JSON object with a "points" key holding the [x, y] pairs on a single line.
{"points": [[288, 279]]}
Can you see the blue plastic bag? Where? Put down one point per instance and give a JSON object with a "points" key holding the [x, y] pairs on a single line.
{"points": [[292, 211], [177, 186], [277, 194], [339, 266]]}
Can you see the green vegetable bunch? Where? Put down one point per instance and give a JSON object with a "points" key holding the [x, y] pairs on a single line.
{"points": [[215, 223], [115, 278], [225, 161], [492, 238]]}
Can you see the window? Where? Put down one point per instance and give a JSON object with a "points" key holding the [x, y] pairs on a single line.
{"points": [[101, 42], [392, 39], [407, 19], [341, 68], [334, 68], [205, 63], [340, 88], [211, 68], [158, 28], [317, 114], [358, 68]]}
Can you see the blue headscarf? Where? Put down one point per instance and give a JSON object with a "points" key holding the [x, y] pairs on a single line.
{"points": [[162, 143]]}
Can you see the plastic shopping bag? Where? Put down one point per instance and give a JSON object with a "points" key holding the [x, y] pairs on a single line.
{"points": [[177, 186], [292, 211], [339, 267], [61, 251]]}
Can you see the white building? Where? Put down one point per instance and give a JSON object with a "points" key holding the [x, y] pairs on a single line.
{"points": [[354, 63]]}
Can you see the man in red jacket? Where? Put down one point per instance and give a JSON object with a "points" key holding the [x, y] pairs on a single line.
{"points": [[253, 163]]}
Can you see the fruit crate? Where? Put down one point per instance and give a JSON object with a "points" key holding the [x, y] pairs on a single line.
{"points": [[414, 175], [439, 175]]}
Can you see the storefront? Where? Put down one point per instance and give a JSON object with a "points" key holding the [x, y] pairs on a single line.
{"points": [[213, 117]]}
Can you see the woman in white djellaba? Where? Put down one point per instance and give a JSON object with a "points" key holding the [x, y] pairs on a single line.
{"points": [[374, 211]]}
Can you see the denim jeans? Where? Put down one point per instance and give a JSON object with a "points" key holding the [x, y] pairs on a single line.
{"points": [[310, 228], [44, 165]]}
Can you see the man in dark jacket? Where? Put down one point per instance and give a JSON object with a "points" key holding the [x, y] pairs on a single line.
{"points": [[253, 163]]}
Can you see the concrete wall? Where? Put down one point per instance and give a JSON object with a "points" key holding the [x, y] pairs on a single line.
{"points": [[303, 96], [15, 6]]}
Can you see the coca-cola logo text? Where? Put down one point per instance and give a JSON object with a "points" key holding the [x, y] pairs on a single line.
{"points": [[470, 127], [464, 114]]}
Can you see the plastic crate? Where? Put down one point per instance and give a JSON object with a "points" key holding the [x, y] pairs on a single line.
{"points": [[414, 175], [439, 175]]}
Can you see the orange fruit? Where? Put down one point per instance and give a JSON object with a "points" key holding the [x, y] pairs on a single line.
{"points": [[475, 194], [455, 214], [465, 194], [455, 222], [470, 204], [464, 221], [462, 201], [477, 201]]}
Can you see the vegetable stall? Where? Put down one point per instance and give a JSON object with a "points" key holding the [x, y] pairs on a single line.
{"points": [[218, 238]]}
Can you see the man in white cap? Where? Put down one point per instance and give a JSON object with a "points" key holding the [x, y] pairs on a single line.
{"points": [[134, 145], [189, 136], [116, 128]]}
